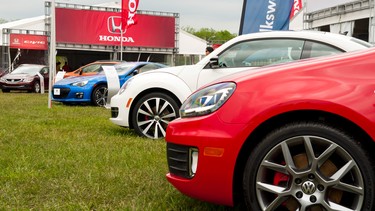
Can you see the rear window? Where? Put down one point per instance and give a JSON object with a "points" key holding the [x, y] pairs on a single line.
{"points": [[361, 42]]}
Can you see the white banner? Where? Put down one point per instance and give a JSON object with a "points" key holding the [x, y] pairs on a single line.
{"points": [[41, 82], [113, 83], [59, 76]]}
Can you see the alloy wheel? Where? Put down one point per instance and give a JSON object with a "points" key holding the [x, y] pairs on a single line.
{"points": [[36, 87], [100, 96], [314, 174], [153, 116]]}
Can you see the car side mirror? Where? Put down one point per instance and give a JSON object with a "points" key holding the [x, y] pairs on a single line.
{"points": [[214, 62], [135, 72]]}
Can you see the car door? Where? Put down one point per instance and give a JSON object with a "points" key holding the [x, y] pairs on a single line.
{"points": [[250, 54]]}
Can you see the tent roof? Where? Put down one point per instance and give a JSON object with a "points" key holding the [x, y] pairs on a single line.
{"points": [[35, 23]]}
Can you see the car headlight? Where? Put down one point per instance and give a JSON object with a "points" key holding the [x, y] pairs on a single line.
{"points": [[207, 100], [125, 85], [3, 80], [80, 83], [28, 79]]}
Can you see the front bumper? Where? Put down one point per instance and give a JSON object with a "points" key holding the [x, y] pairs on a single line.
{"points": [[120, 110], [16, 86], [71, 94], [213, 179]]}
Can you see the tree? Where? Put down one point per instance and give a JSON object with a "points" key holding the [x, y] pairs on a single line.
{"points": [[210, 35], [3, 21]]}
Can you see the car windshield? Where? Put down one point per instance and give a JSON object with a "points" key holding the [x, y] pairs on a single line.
{"points": [[121, 69], [26, 70]]}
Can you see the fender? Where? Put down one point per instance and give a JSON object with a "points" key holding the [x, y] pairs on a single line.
{"points": [[165, 81]]}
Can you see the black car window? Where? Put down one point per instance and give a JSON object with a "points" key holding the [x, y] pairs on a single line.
{"points": [[256, 53], [44, 70], [316, 49], [148, 67], [92, 68]]}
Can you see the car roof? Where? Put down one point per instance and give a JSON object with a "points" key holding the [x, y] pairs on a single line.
{"points": [[34, 65], [40, 66], [303, 34]]}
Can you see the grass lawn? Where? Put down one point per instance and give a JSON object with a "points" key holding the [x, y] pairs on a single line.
{"points": [[74, 158]]}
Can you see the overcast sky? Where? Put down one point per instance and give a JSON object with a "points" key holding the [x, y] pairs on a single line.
{"points": [[215, 14]]}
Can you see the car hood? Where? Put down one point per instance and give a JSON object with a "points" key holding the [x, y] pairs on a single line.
{"points": [[75, 79], [17, 76], [177, 70]]}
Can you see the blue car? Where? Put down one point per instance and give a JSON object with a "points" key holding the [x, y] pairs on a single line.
{"points": [[93, 89]]}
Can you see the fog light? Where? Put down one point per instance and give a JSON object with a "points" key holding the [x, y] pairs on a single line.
{"points": [[79, 95], [193, 161]]}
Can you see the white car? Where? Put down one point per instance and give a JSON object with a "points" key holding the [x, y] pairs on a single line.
{"points": [[149, 101]]}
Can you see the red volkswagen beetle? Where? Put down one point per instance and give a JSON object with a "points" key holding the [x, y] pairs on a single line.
{"points": [[298, 136]]}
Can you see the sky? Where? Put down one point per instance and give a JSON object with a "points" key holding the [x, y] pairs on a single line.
{"points": [[216, 14]]}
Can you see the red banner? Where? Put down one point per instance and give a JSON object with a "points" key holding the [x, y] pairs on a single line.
{"points": [[128, 9], [104, 28], [297, 6], [28, 41]]}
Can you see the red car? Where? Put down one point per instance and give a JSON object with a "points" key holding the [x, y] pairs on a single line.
{"points": [[26, 77], [298, 136]]}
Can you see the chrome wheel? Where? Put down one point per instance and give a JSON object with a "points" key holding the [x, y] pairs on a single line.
{"points": [[99, 95], [153, 114], [309, 172], [36, 87]]}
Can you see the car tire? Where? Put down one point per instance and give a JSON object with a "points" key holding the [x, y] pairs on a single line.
{"points": [[308, 166], [5, 90], [99, 95], [152, 113], [36, 87]]}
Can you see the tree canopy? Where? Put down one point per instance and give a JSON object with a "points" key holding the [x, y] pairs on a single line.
{"points": [[210, 35], [3, 21]]}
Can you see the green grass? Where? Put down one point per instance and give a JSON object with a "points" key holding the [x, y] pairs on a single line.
{"points": [[74, 158]]}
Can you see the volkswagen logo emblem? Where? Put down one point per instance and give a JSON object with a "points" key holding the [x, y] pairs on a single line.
{"points": [[308, 187]]}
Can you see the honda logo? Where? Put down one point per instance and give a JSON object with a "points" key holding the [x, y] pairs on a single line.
{"points": [[114, 24], [16, 41]]}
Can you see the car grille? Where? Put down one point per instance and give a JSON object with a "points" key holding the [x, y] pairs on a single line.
{"points": [[63, 93], [178, 160], [114, 112], [13, 80]]}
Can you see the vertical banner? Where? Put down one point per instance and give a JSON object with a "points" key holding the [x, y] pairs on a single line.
{"points": [[128, 10], [113, 82], [297, 6], [265, 15]]}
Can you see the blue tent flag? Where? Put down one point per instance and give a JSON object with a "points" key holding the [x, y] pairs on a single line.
{"points": [[265, 15]]}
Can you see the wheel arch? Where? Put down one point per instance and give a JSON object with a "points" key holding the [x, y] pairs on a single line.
{"points": [[35, 81], [98, 84], [94, 88], [148, 91], [295, 116]]}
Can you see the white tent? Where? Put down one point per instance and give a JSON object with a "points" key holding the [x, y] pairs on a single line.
{"points": [[191, 45], [36, 23]]}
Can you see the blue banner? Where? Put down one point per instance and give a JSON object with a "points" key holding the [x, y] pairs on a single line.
{"points": [[265, 15]]}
